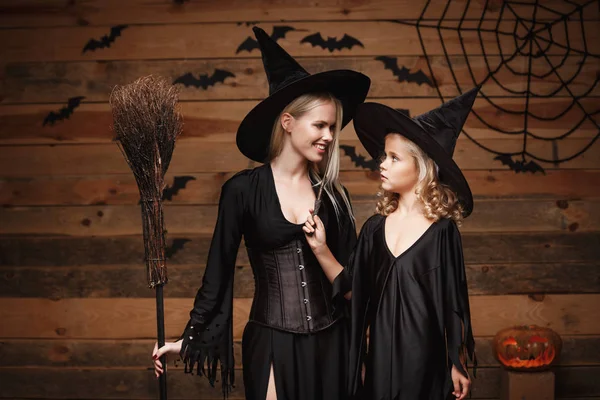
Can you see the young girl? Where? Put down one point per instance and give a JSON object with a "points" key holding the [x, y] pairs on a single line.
{"points": [[295, 345], [408, 285]]}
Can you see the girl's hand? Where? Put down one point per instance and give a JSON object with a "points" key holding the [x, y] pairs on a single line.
{"points": [[314, 230], [462, 384], [363, 372], [169, 347]]}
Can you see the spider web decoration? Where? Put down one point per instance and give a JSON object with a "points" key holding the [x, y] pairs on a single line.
{"points": [[544, 41]]}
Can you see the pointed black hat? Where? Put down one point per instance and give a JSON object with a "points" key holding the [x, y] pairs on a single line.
{"points": [[288, 80], [435, 132]]}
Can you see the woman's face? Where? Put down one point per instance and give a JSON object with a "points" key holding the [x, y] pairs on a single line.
{"points": [[399, 172], [312, 133]]}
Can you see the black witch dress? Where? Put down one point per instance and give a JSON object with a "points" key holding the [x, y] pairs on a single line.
{"points": [[416, 308], [297, 321]]}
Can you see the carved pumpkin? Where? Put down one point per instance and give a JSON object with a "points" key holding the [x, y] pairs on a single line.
{"points": [[527, 348]]}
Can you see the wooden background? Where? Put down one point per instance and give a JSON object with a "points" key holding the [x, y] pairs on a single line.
{"points": [[77, 320]]}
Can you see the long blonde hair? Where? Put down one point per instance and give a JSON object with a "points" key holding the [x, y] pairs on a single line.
{"points": [[327, 172], [438, 200]]}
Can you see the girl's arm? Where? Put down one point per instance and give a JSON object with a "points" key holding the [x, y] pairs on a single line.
{"points": [[457, 318], [317, 240]]}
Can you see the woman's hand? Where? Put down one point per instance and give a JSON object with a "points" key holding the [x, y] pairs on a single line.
{"points": [[314, 230], [462, 384], [169, 347]]}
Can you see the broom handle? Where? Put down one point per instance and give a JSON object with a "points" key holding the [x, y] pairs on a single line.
{"points": [[160, 322]]}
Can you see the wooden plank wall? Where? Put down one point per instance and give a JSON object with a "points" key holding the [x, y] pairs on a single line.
{"points": [[77, 318]]}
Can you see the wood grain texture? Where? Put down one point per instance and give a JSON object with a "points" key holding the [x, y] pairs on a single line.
{"points": [[205, 188], [98, 281], [123, 318], [122, 353], [121, 384], [104, 220], [491, 248], [216, 121], [54, 82], [78, 321], [378, 38], [49, 160], [36, 13]]}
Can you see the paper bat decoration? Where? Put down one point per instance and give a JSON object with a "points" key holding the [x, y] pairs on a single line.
{"points": [[105, 40], [177, 245], [179, 182], [358, 160], [204, 81], [331, 44], [250, 44], [403, 74], [63, 113], [520, 166]]}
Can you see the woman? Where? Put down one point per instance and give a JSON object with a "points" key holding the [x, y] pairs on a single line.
{"points": [[295, 344], [409, 284]]}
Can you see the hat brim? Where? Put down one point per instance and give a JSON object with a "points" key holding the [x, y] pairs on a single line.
{"points": [[254, 133], [374, 121]]}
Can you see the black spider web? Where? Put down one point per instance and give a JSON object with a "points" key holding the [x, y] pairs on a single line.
{"points": [[534, 44]]}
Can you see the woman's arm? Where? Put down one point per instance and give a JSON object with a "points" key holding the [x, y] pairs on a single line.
{"points": [[207, 335]]}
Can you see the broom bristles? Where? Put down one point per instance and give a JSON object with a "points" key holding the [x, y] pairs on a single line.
{"points": [[147, 123], [145, 115]]}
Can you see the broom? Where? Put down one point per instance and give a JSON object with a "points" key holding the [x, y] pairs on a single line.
{"points": [[146, 123]]}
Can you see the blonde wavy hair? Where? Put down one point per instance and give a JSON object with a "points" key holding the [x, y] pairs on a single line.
{"points": [[438, 200], [324, 173]]}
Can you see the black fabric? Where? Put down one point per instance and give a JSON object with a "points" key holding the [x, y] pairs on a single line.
{"points": [[287, 81], [305, 367], [415, 307], [291, 291], [435, 132], [280, 66], [445, 123], [249, 206]]}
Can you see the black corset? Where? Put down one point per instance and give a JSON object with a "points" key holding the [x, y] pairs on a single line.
{"points": [[292, 292]]}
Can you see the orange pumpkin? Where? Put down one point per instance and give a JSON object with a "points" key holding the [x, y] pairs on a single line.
{"points": [[527, 347]]}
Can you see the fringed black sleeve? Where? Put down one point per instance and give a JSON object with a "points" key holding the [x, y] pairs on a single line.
{"points": [[208, 336], [457, 318], [342, 244]]}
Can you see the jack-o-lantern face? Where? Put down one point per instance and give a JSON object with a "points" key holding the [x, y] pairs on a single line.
{"points": [[527, 347]]}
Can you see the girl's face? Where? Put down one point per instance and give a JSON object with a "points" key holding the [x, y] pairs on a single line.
{"points": [[312, 133], [399, 172]]}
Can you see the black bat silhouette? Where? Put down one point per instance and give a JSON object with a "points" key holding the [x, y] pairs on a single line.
{"points": [[175, 246], [179, 182], [204, 81], [403, 74], [331, 44], [63, 113], [358, 160], [520, 166], [105, 40], [250, 44]]}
